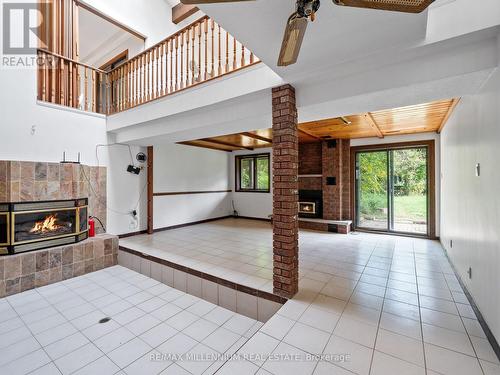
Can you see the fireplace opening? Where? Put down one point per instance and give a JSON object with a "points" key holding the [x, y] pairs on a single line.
{"points": [[36, 225], [31, 226], [310, 203]]}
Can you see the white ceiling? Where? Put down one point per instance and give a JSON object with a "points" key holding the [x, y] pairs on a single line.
{"points": [[338, 35], [99, 37]]}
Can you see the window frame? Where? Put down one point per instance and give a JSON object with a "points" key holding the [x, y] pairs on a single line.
{"points": [[237, 164]]}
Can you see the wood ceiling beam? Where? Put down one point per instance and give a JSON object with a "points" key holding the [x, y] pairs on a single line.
{"points": [[256, 136], [182, 11], [194, 144], [217, 142], [371, 121], [446, 117]]}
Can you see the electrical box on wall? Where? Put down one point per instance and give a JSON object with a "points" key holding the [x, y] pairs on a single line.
{"points": [[331, 180], [332, 143]]}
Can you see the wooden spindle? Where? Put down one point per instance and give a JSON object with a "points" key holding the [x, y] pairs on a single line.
{"points": [[242, 55], [176, 62], [235, 64], [206, 47], [127, 69], [162, 75], [226, 67], [171, 77], [193, 62], [93, 81], [148, 75], [143, 77], [61, 82], [212, 65], [134, 80], [181, 83], [107, 93], [188, 39], [70, 84], [124, 86], [43, 73], [219, 52], [86, 80], [200, 25], [78, 87]]}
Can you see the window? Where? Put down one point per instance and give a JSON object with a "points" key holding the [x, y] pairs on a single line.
{"points": [[252, 173]]}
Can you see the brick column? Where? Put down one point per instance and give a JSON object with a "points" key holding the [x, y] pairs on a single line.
{"points": [[285, 192], [331, 189]]}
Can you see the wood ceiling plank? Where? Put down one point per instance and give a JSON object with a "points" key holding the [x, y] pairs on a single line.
{"points": [[224, 143], [448, 114]]}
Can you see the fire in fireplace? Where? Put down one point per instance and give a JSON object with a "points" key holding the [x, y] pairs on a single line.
{"points": [[35, 225], [310, 203], [307, 208]]}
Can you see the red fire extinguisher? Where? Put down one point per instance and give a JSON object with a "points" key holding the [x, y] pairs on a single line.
{"points": [[91, 227]]}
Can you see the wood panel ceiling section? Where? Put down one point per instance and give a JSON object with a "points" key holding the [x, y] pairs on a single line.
{"points": [[233, 142], [422, 118]]}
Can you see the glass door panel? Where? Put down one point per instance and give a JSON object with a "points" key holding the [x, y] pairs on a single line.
{"points": [[372, 198], [409, 197]]}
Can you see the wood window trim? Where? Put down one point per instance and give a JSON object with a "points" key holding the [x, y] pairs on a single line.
{"points": [[237, 167], [431, 177]]}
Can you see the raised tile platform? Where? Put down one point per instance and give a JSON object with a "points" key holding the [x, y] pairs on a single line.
{"points": [[24, 271]]}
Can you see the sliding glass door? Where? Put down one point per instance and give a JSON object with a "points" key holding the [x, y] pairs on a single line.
{"points": [[392, 190]]}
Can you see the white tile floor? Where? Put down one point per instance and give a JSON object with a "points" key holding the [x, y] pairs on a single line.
{"points": [[55, 329], [368, 304], [236, 250]]}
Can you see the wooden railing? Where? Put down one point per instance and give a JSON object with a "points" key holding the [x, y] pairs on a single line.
{"points": [[198, 53], [69, 83]]}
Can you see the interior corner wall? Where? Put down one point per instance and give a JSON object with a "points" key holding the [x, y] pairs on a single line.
{"points": [[30, 131], [152, 18], [470, 219], [183, 169], [437, 159], [255, 205]]}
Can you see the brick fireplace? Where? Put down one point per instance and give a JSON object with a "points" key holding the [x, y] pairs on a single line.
{"points": [[324, 177]]}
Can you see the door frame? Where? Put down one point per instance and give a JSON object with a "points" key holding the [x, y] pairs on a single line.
{"points": [[431, 180]]}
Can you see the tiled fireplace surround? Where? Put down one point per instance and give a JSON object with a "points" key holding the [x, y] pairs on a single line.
{"points": [[26, 181]]}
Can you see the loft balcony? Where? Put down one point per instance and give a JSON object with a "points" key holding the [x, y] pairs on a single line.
{"points": [[200, 52]]}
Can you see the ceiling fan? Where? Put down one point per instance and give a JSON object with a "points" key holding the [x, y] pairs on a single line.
{"points": [[306, 10]]}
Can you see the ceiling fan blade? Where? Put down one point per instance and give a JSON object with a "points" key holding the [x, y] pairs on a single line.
{"points": [[195, 2], [292, 40], [408, 6]]}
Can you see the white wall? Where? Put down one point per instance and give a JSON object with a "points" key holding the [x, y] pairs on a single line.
{"points": [[152, 18], [57, 130], [259, 205], [179, 168], [470, 204], [411, 138]]}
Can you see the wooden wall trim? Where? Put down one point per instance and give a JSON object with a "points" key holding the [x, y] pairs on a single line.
{"points": [[431, 176], [150, 190], [163, 194]]}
